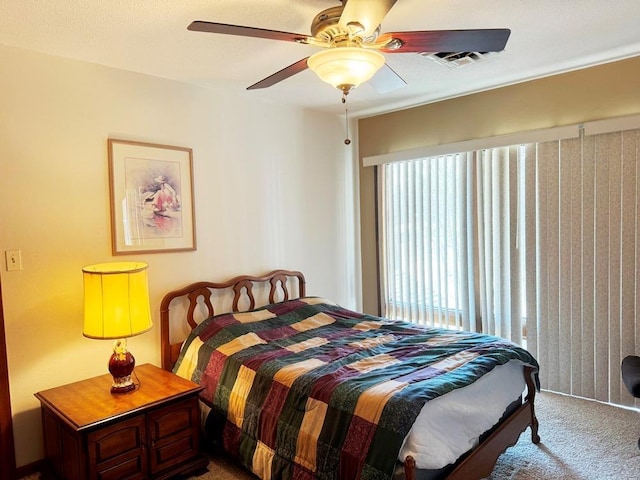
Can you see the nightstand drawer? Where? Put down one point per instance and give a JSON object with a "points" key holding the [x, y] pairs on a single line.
{"points": [[131, 469], [174, 434], [121, 445]]}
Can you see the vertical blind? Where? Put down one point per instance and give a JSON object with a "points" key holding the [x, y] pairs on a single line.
{"points": [[499, 249], [449, 251], [542, 238], [586, 265], [425, 241]]}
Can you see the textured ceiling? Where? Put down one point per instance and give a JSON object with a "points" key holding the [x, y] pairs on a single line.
{"points": [[151, 37]]}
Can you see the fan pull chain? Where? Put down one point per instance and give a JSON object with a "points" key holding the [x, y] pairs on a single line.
{"points": [[347, 141]]}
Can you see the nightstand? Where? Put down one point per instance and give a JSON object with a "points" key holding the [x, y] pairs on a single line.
{"points": [[150, 433]]}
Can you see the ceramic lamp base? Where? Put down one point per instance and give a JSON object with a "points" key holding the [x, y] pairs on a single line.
{"points": [[121, 365]]}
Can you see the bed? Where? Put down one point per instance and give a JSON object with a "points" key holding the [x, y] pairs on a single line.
{"points": [[300, 387]]}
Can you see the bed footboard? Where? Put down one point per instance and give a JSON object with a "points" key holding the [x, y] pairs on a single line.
{"points": [[482, 460]]}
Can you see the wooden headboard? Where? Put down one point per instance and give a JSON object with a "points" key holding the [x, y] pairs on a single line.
{"points": [[281, 284]]}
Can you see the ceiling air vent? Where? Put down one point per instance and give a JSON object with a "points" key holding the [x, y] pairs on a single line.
{"points": [[457, 59]]}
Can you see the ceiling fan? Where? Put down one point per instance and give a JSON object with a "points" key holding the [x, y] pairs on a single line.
{"points": [[352, 42]]}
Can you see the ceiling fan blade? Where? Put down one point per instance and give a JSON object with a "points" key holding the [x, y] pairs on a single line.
{"points": [[368, 13], [386, 80], [484, 40], [211, 27], [283, 74]]}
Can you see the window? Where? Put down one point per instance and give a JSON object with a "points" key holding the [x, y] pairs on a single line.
{"points": [[449, 249], [547, 232], [424, 226]]}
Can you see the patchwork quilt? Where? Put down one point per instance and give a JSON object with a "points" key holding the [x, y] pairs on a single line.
{"points": [[306, 389]]}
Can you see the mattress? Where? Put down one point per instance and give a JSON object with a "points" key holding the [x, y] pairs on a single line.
{"points": [[450, 425]]}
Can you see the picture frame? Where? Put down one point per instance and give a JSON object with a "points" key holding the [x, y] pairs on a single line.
{"points": [[151, 197]]}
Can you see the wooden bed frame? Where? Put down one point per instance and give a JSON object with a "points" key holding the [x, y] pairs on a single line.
{"points": [[281, 284]]}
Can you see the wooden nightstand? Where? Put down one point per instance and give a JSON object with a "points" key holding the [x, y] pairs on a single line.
{"points": [[152, 432]]}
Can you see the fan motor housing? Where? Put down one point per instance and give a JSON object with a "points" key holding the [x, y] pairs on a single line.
{"points": [[325, 26]]}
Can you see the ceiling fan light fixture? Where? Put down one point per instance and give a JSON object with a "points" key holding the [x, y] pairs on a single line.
{"points": [[346, 67]]}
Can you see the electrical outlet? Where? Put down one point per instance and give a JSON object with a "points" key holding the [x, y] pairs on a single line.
{"points": [[14, 260]]}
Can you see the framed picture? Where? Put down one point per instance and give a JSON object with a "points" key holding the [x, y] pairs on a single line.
{"points": [[151, 191]]}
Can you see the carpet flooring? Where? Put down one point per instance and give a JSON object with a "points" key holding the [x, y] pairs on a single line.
{"points": [[580, 440]]}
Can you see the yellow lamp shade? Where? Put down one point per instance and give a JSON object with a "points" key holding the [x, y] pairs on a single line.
{"points": [[346, 67], [116, 300]]}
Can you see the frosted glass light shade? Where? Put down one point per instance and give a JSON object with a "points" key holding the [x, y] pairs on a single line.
{"points": [[116, 300], [346, 67]]}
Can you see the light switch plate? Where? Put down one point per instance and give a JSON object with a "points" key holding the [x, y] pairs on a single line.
{"points": [[14, 260]]}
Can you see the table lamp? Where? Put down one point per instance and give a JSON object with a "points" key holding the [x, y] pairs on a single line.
{"points": [[116, 306]]}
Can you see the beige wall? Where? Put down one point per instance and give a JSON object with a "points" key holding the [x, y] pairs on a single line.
{"points": [[273, 189], [590, 94]]}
